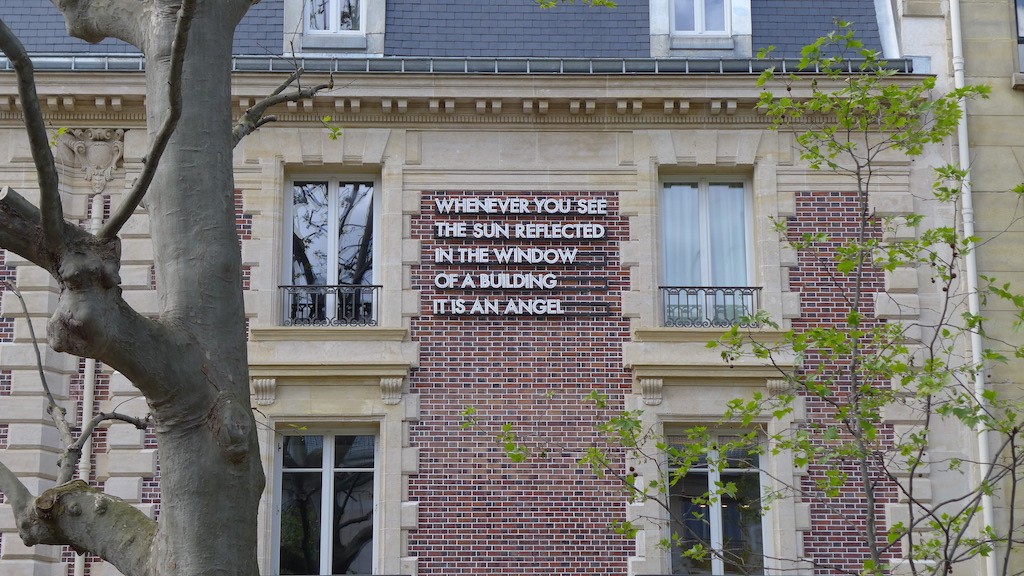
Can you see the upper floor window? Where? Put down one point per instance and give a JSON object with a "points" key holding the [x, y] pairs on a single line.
{"points": [[325, 504], [330, 254], [705, 245], [334, 16], [701, 17], [716, 506]]}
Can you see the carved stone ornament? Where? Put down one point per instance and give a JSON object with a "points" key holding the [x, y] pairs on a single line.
{"points": [[95, 150], [651, 390], [265, 390], [777, 386], [391, 389]]}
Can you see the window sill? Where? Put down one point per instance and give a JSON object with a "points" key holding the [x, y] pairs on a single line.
{"points": [[696, 42], [700, 334], [326, 334], [1017, 81], [337, 42]]}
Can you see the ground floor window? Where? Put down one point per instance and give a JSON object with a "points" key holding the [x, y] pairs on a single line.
{"points": [[715, 501], [326, 504]]}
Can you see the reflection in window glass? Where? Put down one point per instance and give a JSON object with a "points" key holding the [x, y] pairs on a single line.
{"points": [[326, 522]]}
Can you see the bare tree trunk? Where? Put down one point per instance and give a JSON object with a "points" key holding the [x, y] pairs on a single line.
{"points": [[191, 363]]}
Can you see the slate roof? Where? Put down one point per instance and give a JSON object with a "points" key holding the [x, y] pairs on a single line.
{"points": [[490, 28]]}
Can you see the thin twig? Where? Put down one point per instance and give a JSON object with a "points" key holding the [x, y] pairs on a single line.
{"points": [[254, 117], [56, 412], [152, 159]]}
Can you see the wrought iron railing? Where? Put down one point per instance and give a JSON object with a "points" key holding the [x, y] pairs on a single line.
{"points": [[709, 306], [338, 305]]}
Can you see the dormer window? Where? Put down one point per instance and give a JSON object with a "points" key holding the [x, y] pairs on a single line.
{"points": [[710, 17]]}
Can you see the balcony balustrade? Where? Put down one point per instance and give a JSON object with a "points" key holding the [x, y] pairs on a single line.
{"points": [[709, 306], [337, 305]]}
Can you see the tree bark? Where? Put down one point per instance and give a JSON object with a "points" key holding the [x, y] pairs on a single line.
{"points": [[191, 362]]}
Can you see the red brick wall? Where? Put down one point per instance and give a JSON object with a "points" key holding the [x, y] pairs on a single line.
{"points": [[836, 539], [480, 513]]}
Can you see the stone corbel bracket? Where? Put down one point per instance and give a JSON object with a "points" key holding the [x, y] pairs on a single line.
{"points": [[264, 390], [391, 389]]}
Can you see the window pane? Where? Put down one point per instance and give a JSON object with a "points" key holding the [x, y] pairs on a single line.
{"points": [[685, 16], [691, 524], [353, 452], [355, 233], [742, 538], [714, 15], [728, 224], [300, 522], [681, 235], [310, 230], [303, 452], [353, 523], [317, 15], [349, 15]]}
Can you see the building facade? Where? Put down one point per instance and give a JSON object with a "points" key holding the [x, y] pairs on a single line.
{"points": [[522, 208]]}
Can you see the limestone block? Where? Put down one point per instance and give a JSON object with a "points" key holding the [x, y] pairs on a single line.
{"points": [[136, 250], [411, 303], [632, 253], [34, 277], [788, 256], [124, 435], [802, 515], [412, 407], [127, 488], [7, 521], [636, 304], [791, 305], [144, 301], [410, 515], [135, 407], [33, 436], [787, 204], [148, 509], [120, 385], [921, 488], [27, 567], [14, 548], [410, 460], [131, 462], [38, 302], [891, 203], [896, 229], [137, 227], [901, 280], [911, 410], [135, 145], [28, 409], [137, 275], [922, 8], [32, 463], [412, 252], [25, 382], [897, 306], [17, 355]]}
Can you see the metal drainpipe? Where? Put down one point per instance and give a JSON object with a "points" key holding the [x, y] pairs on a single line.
{"points": [[89, 394], [971, 263]]}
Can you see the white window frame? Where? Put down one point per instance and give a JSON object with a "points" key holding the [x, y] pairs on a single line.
{"points": [[334, 7], [715, 519], [327, 488], [700, 21], [334, 182], [706, 221]]}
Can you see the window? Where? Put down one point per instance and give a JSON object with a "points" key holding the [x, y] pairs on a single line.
{"points": [[333, 16], [701, 17], [326, 504], [330, 254], [705, 231], [716, 505]]}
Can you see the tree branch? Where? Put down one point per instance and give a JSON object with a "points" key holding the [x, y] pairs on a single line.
{"points": [[152, 158], [46, 171], [80, 516], [254, 117], [94, 21]]}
